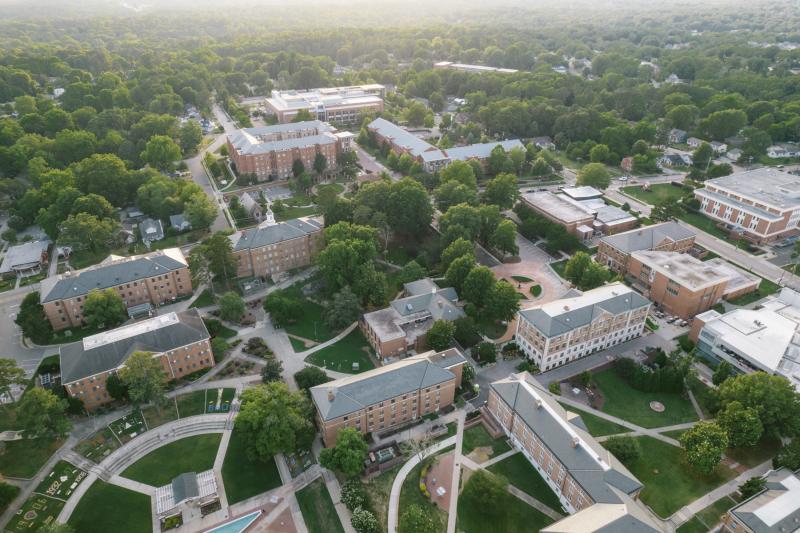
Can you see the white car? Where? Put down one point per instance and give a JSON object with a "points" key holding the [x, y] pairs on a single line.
{"points": [[624, 178]]}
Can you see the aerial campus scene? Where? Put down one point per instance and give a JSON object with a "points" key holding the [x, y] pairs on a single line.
{"points": [[294, 266]]}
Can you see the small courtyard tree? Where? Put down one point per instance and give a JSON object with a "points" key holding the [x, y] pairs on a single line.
{"points": [[231, 307], [145, 379], [42, 414], [103, 308], [440, 336], [348, 455], [704, 445]]}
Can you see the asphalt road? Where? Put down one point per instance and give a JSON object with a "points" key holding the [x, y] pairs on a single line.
{"points": [[11, 337]]}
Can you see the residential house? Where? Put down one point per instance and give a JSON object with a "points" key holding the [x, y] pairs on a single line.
{"points": [[718, 147], [777, 151], [151, 230], [677, 136], [544, 143], [25, 259], [694, 142], [180, 223], [674, 160]]}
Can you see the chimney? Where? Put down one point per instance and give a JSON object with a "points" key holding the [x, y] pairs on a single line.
{"points": [[538, 403], [575, 442], [331, 395]]}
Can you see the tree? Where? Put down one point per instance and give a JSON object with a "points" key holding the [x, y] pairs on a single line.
{"points": [[219, 252], [415, 114], [354, 494], [32, 320], [10, 374], [576, 267], [490, 487], [459, 172], [440, 336], [93, 204], [320, 163], [594, 175], [702, 156], [282, 309], [487, 352], [409, 209], [298, 168], [200, 211], [502, 191], [116, 387], [594, 276], [348, 455], [504, 238], [161, 152], [772, 397], [458, 248], [541, 167], [742, 425], [311, 376], [478, 284], [599, 154], [364, 521], [231, 307], [626, 449], [788, 456], [272, 370], [502, 301], [497, 160], [725, 123], [145, 379], [458, 271], [190, 136], [87, 231], [42, 414], [453, 193], [274, 420], [343, 310], [412, 271], [751, 487], [665, 210], [7, 494], [415, 519], [103, 308], [723, 371], [704, 445]]}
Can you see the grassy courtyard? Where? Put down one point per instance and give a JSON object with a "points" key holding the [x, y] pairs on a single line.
{"points": [[669, 483], [311, 326], [706, 519], [521, 473], [598, 427], [191, 454], [107, 507], [658, 192], [23, 458], [766, 288], [244, 478], [341, 355], [509, 514], [317, 508], [623, 401], [478, 437]]}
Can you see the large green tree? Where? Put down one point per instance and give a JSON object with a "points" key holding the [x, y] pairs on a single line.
{"points": [[343, 309], [84, 231], [594, 175], [742, 424], [347, 455], [42, 414], [440, 335], [772, 397], [200, 211], [145, 379], [161, 152], [10, 374], [704, 445], [231, 307]]}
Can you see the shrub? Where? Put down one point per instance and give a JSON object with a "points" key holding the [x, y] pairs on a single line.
{"points": [[527, 366], [354, 495], [626, 449], [685, 344], [555, 388], [487, 352], [536, 290]]}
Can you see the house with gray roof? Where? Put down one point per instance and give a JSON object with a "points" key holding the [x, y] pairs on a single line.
{"points": [[404, 325], [388, 396], [26, 258], [272, 248], [580, 323], [151, 230], [180, 341], [614, 251], [179, 222], [776, 509], [597, 490]]}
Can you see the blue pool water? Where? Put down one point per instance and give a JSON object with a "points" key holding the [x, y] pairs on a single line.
{"points": [[238, 525]]}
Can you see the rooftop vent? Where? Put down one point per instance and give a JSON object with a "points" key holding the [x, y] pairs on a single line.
{"points": [[566, 308], [538, 403], [575, 442], [331, 395]]}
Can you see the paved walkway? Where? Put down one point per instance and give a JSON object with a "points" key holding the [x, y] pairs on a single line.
{"points": [[456, 482], [397, 485], [327, 343], [533, 502]]}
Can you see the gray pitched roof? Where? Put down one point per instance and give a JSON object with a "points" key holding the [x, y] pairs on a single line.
{"points": [[592, 466], [403, 138], [265, 234], [776, 509], [354, 393], [648, 237], [109, 274], [481, 150], [185, 487], [109, 350]]}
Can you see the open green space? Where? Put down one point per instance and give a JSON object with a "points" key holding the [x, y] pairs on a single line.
{"points": [[669, 483], [23, 458], [79, 259], [317, 507], [45, 504], [490, 328], [341, 355], [378, 490], [411, 495], [478, 437], [709, 517], [190, 454], [765, 288], [704, 395], [298, 345], [765, 450], [204, 300], [337, 188], [559, 267], [704, 223], [155, 417], [8, 417], [658, 192], [311, 326], [597, 426], [674, 434], [623, 401], [72, 335], [104, 506], [192, 404], [98, 445], [509, 514], [296, 212], [522, 474], [245, 478]]}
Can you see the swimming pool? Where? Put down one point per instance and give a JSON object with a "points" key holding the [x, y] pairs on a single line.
{"points": [[238, 525]]}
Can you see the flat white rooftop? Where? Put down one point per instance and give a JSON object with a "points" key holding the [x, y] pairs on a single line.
{"points": [[133, 330], [771, 186]]}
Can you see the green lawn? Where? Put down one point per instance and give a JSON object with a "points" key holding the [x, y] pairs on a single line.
{"points": [[107, 507], [24, 458], [298, 345], [521, 473], [244, 478], [704, 223], [669, 483], [318, 510], [341, 355], [559, 267], [378, 489], [478, 437], [192, 404], [597, 426], [675, 433], [159, 467], [766, 288], [765, 450], [154, 418], [98, 445], [72, 335], [30, 280], [83, 258], [338, 188], [491, 329], [7, 284], [296, 212], [510, 515], [706, 519], [311, 326], [704, 395], [204, 300], [658, 192], [411, 495], [8, 417], [623, 401]]}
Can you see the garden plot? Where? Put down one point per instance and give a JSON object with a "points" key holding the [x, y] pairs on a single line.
{"points": [[129, 426], [45, 504]]}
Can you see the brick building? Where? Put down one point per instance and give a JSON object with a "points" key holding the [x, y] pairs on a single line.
{"points": [[389, 396], [179, 341], [579, 324], [404, 325], [761, 204], [154, 278], [595, 488], [685, 286], [579, 212], [776, 508], [341, 105], [614, 251], [270, 151], [275, 247]]}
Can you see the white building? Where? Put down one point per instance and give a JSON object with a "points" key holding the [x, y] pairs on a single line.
{"points": [[752, 340], [579, 324]]}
